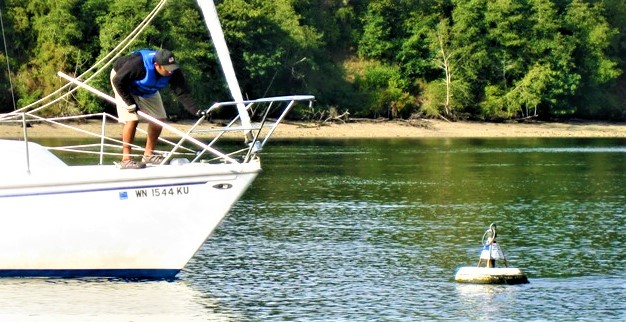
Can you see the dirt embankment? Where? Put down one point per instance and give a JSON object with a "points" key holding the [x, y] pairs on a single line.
{"points": [[373, 129]]}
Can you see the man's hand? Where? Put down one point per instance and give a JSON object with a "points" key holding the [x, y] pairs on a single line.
{"points": [[201, 113], [132, 108]]}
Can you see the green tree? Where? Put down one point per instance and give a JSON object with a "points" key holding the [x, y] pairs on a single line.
{"points": [[55, 31], [385, 96], [185, 32], [614, 98], [7, 96], [335, 20], [268, 44], [528, 49], [495, 59], [593, 37], [445, 95]]}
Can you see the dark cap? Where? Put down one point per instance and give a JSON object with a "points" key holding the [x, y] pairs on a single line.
{"points": [[166, 59]]}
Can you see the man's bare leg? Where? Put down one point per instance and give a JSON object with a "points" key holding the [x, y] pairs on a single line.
{"points": [[128, 136], [154, 131]]}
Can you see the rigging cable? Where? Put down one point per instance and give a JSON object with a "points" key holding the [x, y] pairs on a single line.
{"points": [[106, 61]]}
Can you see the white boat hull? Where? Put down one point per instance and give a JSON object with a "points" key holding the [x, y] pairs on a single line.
{"points": [[62, 221]]}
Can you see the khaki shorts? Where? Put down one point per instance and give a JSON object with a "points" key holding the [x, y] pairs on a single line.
{"points": [[152, 105]]}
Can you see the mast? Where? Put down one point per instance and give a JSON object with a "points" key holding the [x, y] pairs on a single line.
{"points": [[217, 35]]}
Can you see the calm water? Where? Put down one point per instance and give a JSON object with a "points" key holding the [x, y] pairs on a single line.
{"points": [[374, 230]]}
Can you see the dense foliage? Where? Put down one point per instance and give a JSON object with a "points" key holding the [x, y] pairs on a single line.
{"points": [[478, 59]]}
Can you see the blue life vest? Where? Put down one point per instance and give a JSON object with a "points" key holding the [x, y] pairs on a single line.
{"points": [[153, 82]]}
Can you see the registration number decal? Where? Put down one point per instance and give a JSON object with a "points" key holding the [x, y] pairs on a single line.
{"points": [[162, 192]]}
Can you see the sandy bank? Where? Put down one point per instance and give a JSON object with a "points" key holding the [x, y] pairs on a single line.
{"points": [[372, 129]]}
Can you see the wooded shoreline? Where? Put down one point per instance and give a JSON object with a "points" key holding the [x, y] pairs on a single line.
{"points": [[395, 59]]}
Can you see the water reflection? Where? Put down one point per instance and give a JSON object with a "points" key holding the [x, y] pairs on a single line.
{"points": [[488, 301], [106, 300], [375, 229], [581, 299]]}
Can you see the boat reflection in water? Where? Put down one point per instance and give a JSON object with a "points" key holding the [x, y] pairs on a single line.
{"points": [[106, 300]]}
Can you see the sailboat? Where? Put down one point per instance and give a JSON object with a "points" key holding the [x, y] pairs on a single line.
{"points": [[94, 220]]}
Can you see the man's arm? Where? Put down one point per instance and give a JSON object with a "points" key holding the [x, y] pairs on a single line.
{"points": [[180, 89], [127, 70]]}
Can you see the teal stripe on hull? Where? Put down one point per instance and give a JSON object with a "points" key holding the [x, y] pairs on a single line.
{"points": [[159, 274]]}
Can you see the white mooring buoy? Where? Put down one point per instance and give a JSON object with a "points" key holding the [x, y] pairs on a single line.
{"points": [[486, 272]]}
